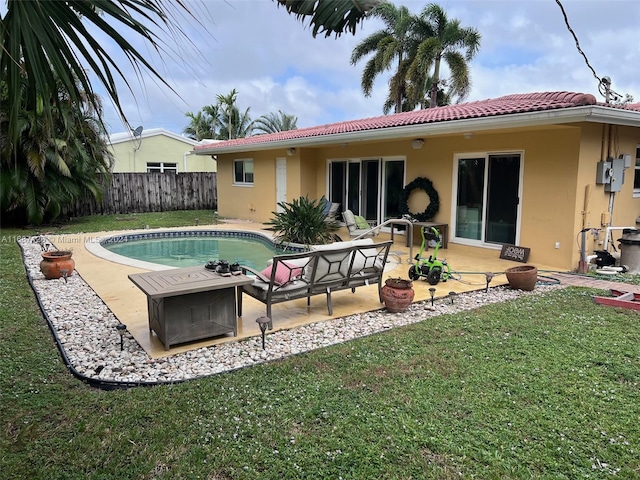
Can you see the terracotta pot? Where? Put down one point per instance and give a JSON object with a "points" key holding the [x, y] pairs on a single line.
{"points": [[523, 277], [397, 294], [57, 264]]}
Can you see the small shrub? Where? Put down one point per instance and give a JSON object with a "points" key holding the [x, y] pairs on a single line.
{"points": [[303, 221]]}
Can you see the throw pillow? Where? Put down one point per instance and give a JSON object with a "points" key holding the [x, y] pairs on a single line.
{"points": [[361, 223], [285, 273]]}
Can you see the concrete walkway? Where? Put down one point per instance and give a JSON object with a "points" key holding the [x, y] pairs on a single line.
{"points": [[592, 282]]}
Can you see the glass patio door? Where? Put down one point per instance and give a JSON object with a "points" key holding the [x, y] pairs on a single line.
{"points": [[487, 199], [368, 187]]}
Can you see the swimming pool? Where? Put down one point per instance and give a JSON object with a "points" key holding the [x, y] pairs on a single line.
{"points": [[193, 248]]}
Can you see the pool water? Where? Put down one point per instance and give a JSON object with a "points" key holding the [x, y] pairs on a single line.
{"points": [[196, 250]]}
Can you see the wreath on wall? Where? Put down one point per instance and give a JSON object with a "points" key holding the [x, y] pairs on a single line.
{"points": [[425, 184]]}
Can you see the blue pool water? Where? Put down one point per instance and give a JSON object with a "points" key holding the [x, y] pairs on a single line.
{"points": [[188, 249]]}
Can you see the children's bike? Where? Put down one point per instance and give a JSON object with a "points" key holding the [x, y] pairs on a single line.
{"points": [[432, 269]]}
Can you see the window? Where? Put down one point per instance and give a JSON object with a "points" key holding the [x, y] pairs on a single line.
{"points": [[636, 177], [162, 167], [243, 172]]}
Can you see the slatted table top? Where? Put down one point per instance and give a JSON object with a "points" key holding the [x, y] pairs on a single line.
{"points": [[183, 281]]}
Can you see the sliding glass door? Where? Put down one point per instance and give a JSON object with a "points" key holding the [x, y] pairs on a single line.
{"points": [[367, 187], [487, 199]]}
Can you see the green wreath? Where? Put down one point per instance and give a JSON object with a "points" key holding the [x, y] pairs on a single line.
{"points": [[434, 200]]}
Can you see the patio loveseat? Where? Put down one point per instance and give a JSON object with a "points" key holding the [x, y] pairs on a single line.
{"points": [[321, 271]]}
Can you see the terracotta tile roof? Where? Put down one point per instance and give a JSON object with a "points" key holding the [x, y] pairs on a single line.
{"points": [[510, 104]]}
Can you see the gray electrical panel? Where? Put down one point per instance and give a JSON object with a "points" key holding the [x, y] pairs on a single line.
{"points": [[617, 176], [603, 172]]}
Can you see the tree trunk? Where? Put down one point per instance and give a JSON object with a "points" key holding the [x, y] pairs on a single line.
{"points": [[433, 101]]}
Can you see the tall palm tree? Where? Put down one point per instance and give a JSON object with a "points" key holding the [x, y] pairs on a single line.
{"points": [[233, 124], [392, 47], [448, 39], [275, 122], [203, 124]]}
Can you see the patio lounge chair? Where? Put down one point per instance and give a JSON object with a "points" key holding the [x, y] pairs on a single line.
{"points": [[358, 230], [331, 212]]}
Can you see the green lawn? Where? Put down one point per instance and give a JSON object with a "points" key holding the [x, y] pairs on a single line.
{"points": [[542, 387]]}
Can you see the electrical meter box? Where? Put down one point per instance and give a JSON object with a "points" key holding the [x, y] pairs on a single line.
{"points": [[603, 172], [616, 176]]}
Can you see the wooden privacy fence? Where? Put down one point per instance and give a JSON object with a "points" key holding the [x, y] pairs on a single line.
{"points": [[151, 192]]}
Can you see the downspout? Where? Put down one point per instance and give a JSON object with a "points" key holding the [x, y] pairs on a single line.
{"points": [[184, 161]]}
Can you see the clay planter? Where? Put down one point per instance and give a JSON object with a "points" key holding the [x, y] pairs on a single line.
{"points": [[397, 294], [523, 277], [57, 264]]}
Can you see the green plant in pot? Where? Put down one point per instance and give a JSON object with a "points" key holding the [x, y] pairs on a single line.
{"points": [[303, 221]]}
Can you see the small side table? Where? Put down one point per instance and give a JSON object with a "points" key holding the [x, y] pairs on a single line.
{"points": [[443, 228]]}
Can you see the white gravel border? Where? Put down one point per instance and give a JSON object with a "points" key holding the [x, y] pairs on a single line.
{"points": [[86, 332]]}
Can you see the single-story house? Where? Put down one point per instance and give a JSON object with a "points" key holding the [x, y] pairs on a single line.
{"points": [[156, 150], [532, 170]]}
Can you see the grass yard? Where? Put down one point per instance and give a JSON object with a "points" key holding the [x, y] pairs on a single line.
{"points": [[542, 387]]}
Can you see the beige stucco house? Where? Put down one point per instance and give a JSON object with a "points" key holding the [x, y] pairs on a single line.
{"points": [[157, 150], [532, 170]]}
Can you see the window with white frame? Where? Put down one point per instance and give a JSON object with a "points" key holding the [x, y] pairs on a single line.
{"points": [[162, 167], [243, 172], [636, 177]]}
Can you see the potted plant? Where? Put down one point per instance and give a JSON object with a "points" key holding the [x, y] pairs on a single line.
{"points": [[57, 263], [523, 277], [397, 294]]}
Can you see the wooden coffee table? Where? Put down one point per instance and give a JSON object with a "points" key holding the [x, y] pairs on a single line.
{"points": [[186, 304]]}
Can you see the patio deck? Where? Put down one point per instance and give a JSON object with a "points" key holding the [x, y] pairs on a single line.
{"points": [[109, 280]]}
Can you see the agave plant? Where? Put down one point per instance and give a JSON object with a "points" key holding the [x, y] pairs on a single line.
{"points": [[303, 221]]}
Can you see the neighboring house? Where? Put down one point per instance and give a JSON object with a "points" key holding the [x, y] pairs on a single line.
{"points": [[157, 150], [521, 169]]}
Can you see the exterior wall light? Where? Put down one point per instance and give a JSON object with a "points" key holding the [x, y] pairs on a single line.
{"points": [[417, 144], [121, 328], [263, 323], [291, 152]]}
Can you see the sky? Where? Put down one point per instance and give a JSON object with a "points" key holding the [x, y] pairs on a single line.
{"points": [[274, 63]]}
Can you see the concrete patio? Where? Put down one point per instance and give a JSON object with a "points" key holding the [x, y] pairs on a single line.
{"points": [[110, 281]]}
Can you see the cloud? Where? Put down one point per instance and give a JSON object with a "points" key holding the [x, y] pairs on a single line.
{"points": [[274, 63]]}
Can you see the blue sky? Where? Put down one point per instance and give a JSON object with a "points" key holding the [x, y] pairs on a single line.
{"points": [[274, 63]]}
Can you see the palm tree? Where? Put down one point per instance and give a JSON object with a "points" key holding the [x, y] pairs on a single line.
{"points": [[203, 124], [394, 43], [233, 124], [275, 122], [448, 38], [331, 16], [54, 163]]}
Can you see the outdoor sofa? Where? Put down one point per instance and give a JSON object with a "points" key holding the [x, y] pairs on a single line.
{"points": [[322, 270]]}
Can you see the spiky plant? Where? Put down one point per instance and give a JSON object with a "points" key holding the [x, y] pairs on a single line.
{"points": [[303, 221]]}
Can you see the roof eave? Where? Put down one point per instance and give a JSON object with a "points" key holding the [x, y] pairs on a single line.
{"points": [[589, 113]]}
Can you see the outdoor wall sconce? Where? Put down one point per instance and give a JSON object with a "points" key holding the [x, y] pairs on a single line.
{"points": [[121, 328], [263, 323], [291, 151], [467, 135], [417, 144], [432, 292]]}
